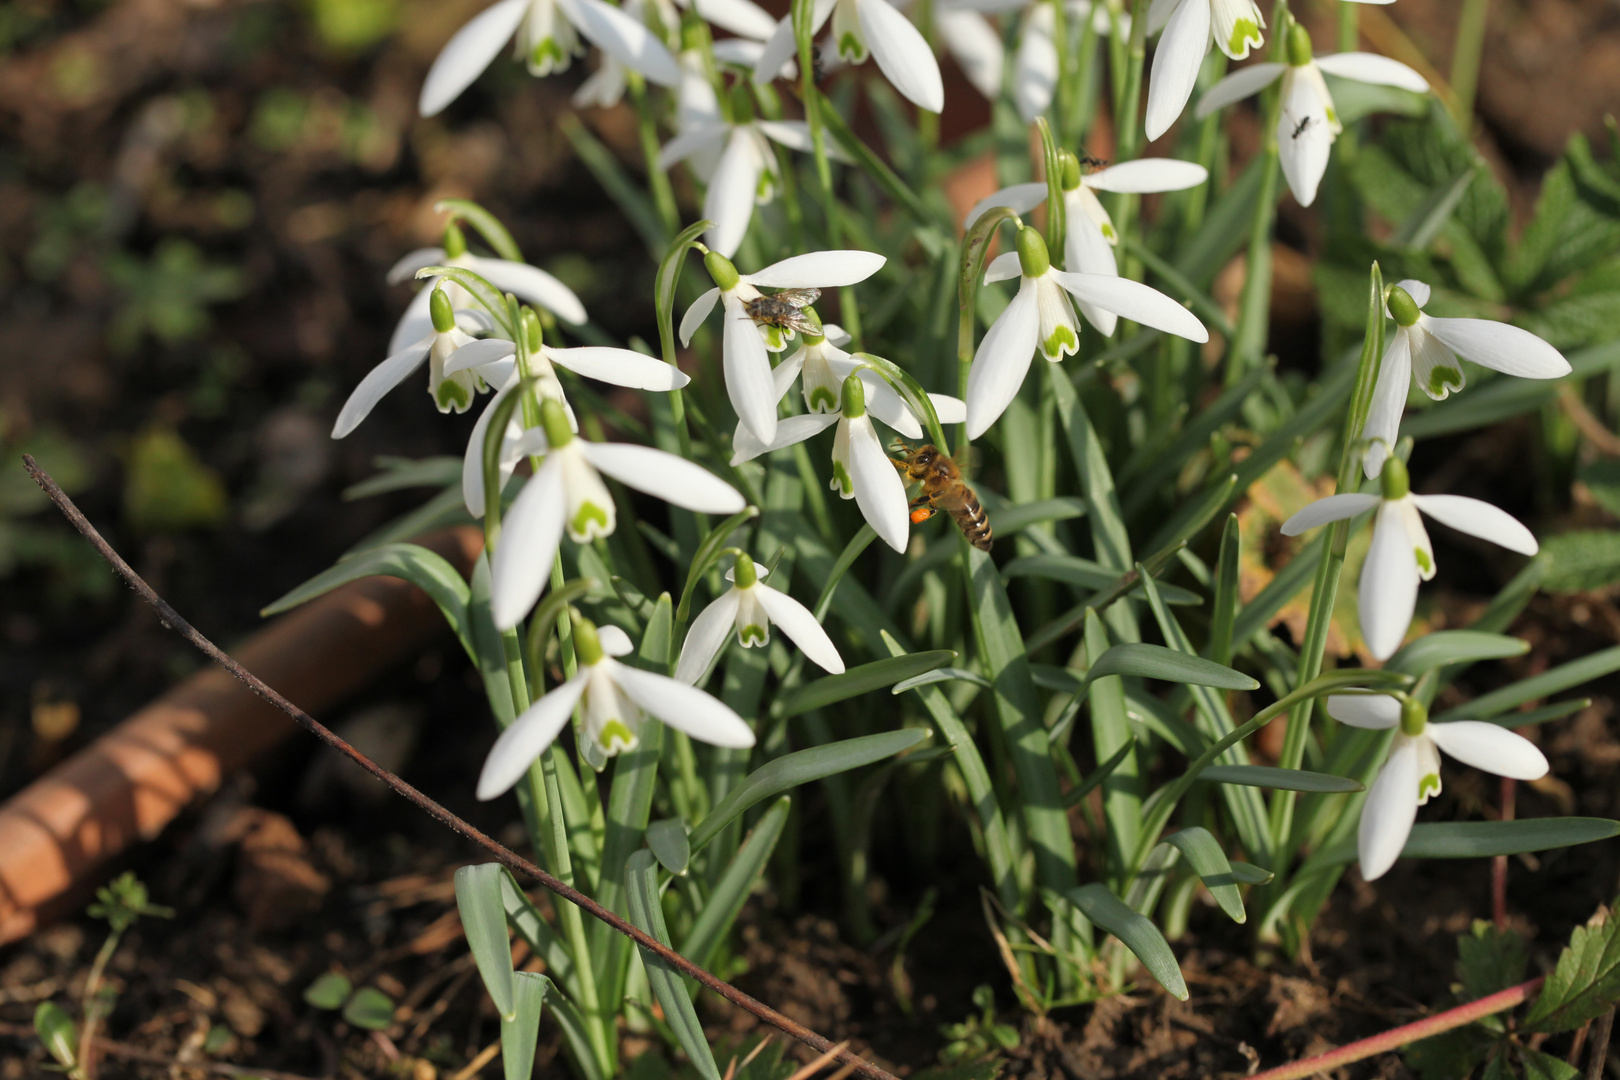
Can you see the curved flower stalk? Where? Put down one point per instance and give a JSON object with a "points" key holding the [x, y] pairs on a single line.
{"points": [[528, 283], [567, 494], [1041, 317], [744, 353], [1089, 237], [1308, 125], [748, 609], [619, 367], [1401, 555], [1411, 773], [860, 27], [861, 469], [744, 173], [458, 364], [977, 45], [824, 365], [1427, 348], [615, 700], [548, 34]]}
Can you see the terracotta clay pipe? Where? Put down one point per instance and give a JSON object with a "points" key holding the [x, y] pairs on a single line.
{"points": [[57, 834]]}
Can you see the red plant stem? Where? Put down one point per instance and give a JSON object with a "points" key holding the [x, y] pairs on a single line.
{"points": [[1499, 864], [508, 858], [1409, 1033]]}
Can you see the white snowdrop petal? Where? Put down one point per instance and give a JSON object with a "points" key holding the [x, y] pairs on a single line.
{"points": [[697, 313], [672, 478], [1387, 594], [1332, 508], [1148, 175], [1158, 15], [621, 367], [1388, 403], [1372, 68], [950, 410], [407, 266], [1379, 712], [1479, 519], [902, 54], [745, 53], [819, 270], [1390, 810], [415, 322], [530, 535], [527, 737], [1035, 65], [707, 637], [1238, 85], [1019, 198], [1304, 138], [780, 47], [377, 382], [468, 52], [976, 46], [472, 462], [1087, 251], [793, 429], [879, 491], [1135, 301], [783, 374], [1499, 346], [1490, 747], [742, 17], [684, 708], [532, 284], [1002, 360], [707, 137], [477, 354], [747, 368], [799, 624], [1418, 291], [1003, 267], [884, 403], [729, 201], [614, 641], [1175, 65], [623, 37]]}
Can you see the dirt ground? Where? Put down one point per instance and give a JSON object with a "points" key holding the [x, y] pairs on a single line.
{"points": [[198, 202]]}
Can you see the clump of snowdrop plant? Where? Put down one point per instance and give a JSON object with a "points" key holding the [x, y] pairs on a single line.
{"points": [[646, 501]]}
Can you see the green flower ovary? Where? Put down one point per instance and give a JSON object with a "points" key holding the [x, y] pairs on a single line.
{"points": [[1394, 481]]}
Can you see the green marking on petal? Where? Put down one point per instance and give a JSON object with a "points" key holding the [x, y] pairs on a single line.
{"points": [[1053, 345], [1243, 32], [1443, 380], [851, 49], [547, 52], [1425, 564], [841, 481], [752, 635], [450, 394], [773, 338], [1428, 785], [1110, 234], [822, 399], [588, 512], [615, 737]]}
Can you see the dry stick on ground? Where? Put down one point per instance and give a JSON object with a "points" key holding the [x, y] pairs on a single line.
{"points": [[1500, 1001], [151, 1057], [510, 859]]}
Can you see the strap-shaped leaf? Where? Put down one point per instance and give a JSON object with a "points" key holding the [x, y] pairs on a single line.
{"points": [[427, 570], [1158, 662], [801, 767], [573, 1027], [1135, 930], [1073, 570], [862, 679], [1556, 711], [726, 901], [1209, 862], [532, 927], [483, 920], [1014, 517], [488, 225], [668, 842], [944, 674], [1455, 647], [1249, 874], [1482, 839], [520, 1032], [399, 473], [641, 890], [1270, 776], [1104, 771], [1556, 681]]}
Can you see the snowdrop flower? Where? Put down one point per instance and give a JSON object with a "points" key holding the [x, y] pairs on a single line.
{"points": [[744, 173], [1089, 235], [1401, 555], [1189, 26], [548, 36], [859, 26], [528, 283], [978, 48], [620, 367], [456, 364], [1411, 773], [1308, 124], [744, 356], [861, 469], [615, 700], [567, 494], [1040, 316], [1427, 347], [824, 366], [748, 608]]}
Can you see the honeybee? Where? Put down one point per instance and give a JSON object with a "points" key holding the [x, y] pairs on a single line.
{"points": [[784, 310], [943, 489], [1094, 162]]}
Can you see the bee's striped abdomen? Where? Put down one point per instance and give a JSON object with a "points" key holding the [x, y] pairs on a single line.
{"points": [[972, 520]]}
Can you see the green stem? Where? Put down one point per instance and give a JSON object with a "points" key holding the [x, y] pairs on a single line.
{"points": [[663, 194], [1465, 59], [975, 250]]}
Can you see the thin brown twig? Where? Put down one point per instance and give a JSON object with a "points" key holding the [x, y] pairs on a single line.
{"points": [[152, 1057], [506, 857], [1600, 1047]]}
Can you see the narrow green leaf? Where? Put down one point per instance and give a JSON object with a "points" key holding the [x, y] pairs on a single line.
{"points": [[708, 553], [1586, 982], [801, 767], [369, 1008], [873, 165], [1190, 520], [1455, 647], [57, 1033], [1555, 681], [1158, 662], [1556, 711], [627, 193], [1103, 771], [1419, 230], [846, 558], [1142, 486], [1015, 517], [669, 274], [1135, 930], [731, 891], [944, 674], [521, 1034], [1124, 788], [1258, 613], [862, 679], [1269, 776], [1249, 874], [1209, 862], [532, 927], [1223, 617], [667, 839], [1483, 839], [483, 920], [399, 473], [329, 991], [1073, 570], [641, 889], [1225, 227]]}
